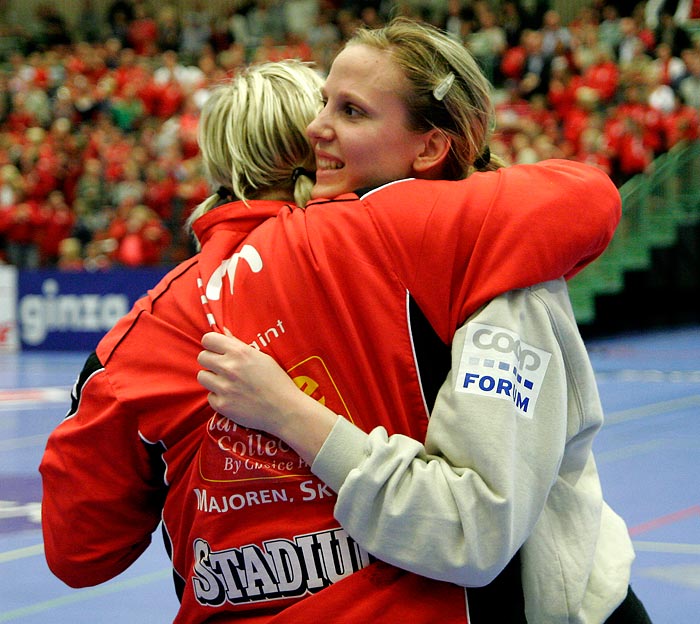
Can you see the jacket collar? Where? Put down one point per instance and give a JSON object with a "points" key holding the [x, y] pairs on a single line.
{"points": [[237, 219]]}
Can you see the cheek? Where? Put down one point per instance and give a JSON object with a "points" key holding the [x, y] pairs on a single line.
{"points": [[378, 155], [396, 157], [361, 147]]}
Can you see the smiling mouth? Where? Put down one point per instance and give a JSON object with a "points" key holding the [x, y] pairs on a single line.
{"points": [[324, 164]]}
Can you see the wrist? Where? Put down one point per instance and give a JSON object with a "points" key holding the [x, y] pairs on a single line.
{"points": [[306, 425]]}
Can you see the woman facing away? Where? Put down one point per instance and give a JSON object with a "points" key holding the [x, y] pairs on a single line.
{"points": [[348, 293]]}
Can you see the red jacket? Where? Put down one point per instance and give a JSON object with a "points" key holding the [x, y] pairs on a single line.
{"points": [[350, 295]]}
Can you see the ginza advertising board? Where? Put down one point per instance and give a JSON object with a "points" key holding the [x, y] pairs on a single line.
{"points": [[71, 311]]}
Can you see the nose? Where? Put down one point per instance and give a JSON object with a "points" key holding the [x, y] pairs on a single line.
{"points": [[320, 129]]}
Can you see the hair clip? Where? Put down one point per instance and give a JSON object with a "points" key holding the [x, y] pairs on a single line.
{"points": [[441, 90]]}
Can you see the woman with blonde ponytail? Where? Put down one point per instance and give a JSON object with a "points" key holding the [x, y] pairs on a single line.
{"points": [[253, 148]]}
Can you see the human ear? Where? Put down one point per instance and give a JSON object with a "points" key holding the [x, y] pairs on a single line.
{"points": [[434, 149]]}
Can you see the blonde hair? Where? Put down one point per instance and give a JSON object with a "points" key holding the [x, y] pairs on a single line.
{"points": [[447, 90], [252, 133]]}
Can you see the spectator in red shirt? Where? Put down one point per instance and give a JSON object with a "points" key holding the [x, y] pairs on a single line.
{"points": [[43, 165], [680, 125], [187, 124], [269, 50], [130, 71], [142, 31], [541, 114], [296, 46], [562, 88], [67, 143], [141, 238], [634, 106], [603, 74], [19, 117], [87, 60], [70, 255], [592, 150], [579, 117], [58, 220], [161, 190], [109, 145], [163, 95], [512, 64], [634, 155], [19, 222]]}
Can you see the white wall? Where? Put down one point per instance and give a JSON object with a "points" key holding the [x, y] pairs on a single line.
{"points": [[8, 309]]}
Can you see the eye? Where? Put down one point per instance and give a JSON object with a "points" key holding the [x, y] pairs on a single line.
{"points": [[342, 107], [350, 110]]}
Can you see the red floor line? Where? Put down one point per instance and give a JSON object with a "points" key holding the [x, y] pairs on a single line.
{"points": [[656, 523]]}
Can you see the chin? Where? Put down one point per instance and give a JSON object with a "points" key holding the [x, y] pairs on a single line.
{"points": [[325, 191]]}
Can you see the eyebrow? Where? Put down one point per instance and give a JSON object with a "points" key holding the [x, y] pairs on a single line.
{"points": [[352, 96]]}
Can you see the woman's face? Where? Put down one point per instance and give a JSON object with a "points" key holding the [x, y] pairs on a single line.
{"points": [[360, 137]]}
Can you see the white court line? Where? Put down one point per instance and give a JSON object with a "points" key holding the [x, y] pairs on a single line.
{"points": [[11, 399], [666, 547], [649, 376], [626, 452], [653, 409], [12, 444], [86, 594], [78, 596], [22, 553]]}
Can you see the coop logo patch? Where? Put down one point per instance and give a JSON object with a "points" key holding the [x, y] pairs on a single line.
{"points": [[495, 362]]}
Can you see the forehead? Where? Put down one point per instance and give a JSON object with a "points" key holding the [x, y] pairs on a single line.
{"points": [[360, 68]]}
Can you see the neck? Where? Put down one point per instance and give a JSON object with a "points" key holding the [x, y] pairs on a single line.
{"points": [[276, 195]]}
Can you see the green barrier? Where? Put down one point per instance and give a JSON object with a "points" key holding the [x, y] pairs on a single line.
{"points": [[654, 205]]}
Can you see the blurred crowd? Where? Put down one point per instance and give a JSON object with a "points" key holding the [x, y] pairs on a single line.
{"points": [[98, 119]]}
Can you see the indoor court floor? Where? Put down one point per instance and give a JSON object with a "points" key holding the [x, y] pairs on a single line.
{"points": [[648, 454]]}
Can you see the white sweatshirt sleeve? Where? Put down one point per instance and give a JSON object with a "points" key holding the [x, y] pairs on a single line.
{"points": [[460, 506]]}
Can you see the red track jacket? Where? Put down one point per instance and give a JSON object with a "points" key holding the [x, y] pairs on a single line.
{"points": [[353, 296]]}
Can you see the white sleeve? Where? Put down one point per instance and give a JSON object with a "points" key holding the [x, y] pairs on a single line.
{"points": [[459, 507]]}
